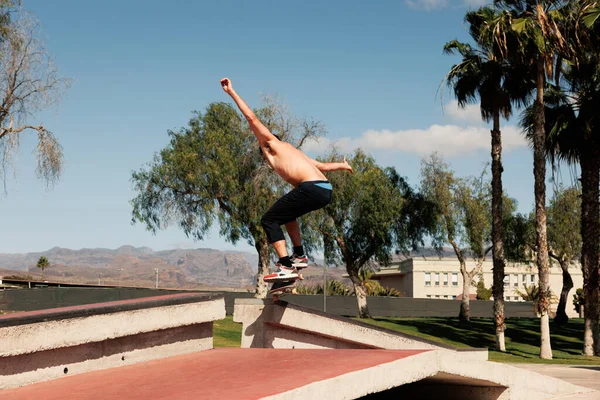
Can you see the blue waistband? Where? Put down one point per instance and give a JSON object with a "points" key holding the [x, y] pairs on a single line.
{"points": [[325, 185]]}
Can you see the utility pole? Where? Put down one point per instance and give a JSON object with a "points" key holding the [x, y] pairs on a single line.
{"points": [[156, 270], [99, 275], [120, 273], [324, 287]]}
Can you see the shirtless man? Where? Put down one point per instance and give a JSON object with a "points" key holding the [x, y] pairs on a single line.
{"points": [[312, 191]]}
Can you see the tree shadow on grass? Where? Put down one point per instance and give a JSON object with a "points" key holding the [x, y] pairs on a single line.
{"points": [[522, 335]]}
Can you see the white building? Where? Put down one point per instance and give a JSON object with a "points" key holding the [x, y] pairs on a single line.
{"points": [[440, 278]]}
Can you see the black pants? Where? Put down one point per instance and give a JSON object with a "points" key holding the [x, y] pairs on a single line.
{"points": [[307, 197]]}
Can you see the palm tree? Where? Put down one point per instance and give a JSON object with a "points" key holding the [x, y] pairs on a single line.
{"points": [[43, 263], [539, 37], [573, 127], [483, 75]]}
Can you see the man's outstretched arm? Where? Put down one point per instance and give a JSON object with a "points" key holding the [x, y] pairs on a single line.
{"points": [[333, 166], [260, 131]]}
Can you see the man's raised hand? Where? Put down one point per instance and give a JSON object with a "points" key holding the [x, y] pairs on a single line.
{"points": [[347, 166], [226, 85]]}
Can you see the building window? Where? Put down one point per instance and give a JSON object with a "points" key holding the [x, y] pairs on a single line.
{"points": [[427, 278], [436, 277], [428, 296], [506, 280], [445, 279], [455, 279], [532, 279], [524, 279], [454, 297], [445, 296], [516, 282]]}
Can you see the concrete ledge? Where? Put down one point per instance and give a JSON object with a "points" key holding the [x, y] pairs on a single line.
{"points": [[283, 325], [41, 345], [439, 374]]}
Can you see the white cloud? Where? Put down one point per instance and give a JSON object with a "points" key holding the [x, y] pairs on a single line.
{"points": [[430, 5], [427, 5], [466, 133], [470, 114], [477, 3], [448, 140]]}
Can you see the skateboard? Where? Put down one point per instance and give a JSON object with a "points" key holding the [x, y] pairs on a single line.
{"points": [[282, 290]]}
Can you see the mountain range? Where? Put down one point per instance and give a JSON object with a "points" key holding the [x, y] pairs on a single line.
{"points": [[139, 266]]}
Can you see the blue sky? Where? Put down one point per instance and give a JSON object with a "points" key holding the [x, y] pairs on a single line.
{"points": [[370, 71]]}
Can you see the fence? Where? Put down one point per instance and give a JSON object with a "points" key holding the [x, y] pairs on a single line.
{"points": [[45, 298]]}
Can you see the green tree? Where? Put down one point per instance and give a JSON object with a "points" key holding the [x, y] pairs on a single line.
{"points": [[483, 293], [564, 239], [43, 263], [372, 212], [573, 128], [464, 220], [532, 293], [212, 170], [30, 83], [483, 75], [539, 37]]}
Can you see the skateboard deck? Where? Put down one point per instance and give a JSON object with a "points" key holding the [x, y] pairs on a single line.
{"points": [[282, 291]]}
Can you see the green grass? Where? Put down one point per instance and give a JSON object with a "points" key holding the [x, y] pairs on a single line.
{"points": [[227, 333], [521, 336]]}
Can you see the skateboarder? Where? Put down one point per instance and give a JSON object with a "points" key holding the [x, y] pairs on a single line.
{"points": [[312, 191]]}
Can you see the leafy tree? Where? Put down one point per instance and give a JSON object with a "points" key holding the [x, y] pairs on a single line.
{"points": [[333, 287], [483, 75], [483, 293], [564, 239], [573, 130], [30, 83], [372, 212], [532, 293], [374, 287], [43, 263], [464, 220], [213, 170], [539, 37]]}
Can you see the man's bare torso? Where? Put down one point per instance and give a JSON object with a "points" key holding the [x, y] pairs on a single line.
{"points": [[290, 163]]}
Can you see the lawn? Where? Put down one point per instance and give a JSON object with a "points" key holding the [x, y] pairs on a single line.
{"points": [[522, 337], [227, 333]]}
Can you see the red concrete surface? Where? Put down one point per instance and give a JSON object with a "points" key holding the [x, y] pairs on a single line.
{"points": [[95, 305], [212, 374]]}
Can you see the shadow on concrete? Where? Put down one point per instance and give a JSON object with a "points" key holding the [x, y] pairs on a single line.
{"points": [[92, 351]]}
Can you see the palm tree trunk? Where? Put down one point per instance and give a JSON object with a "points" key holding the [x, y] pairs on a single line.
{"points": [[539, 172], [590, 178], [497, 234], [561, 314], [264, 263], [465, 308]]}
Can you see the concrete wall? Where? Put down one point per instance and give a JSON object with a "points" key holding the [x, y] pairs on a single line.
{"points": [[36, 299], [42, 345]]}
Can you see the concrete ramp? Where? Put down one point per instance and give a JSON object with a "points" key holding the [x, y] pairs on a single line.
{"points": [[438, 370], [281, 374], [283, 325]]}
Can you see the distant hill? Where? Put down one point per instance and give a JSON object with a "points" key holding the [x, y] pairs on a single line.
{"points": [[136, 266], [178, 268]]}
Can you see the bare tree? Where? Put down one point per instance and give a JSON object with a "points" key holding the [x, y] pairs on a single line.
{"points": [[29, 83]]}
